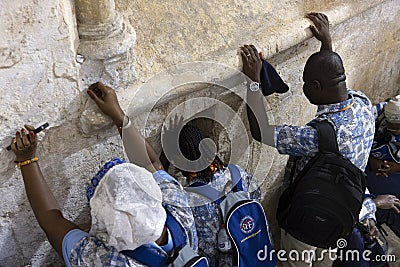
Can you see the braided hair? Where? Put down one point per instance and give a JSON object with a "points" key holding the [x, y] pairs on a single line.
{"points": [[189, 144]]}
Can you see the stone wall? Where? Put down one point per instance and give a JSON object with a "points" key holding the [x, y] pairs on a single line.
{"points": [[40, 80]]}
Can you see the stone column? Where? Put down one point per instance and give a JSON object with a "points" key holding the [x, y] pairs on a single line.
{"points": [[103, 33], [105, 53]]}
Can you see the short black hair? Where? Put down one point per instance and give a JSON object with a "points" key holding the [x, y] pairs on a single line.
{"points": [[190, 138], [325, 66]]}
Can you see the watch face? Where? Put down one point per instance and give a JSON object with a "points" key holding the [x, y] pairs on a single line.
{"points": [[254, 86]]}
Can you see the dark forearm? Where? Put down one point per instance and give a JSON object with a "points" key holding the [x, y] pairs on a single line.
{"points": [[164, 161], [39, 195], [45, 206], [118, 120], [254, 127], [326, 44], [154, 159], [139, 151], [260, 128]]}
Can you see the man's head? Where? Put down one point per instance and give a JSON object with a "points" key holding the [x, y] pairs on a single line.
{"points": [[324, 78], [392, 114], [126, 208]]}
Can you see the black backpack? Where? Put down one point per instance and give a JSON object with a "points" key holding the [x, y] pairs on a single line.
{"points": [[324, 201]]}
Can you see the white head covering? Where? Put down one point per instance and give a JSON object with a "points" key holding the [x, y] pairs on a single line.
{"points": [[126, 208], [392, 110]]}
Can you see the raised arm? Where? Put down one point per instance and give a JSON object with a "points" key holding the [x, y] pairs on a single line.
{"points": [[260, 128], [321, 30], [42, 200], [139, 151]]}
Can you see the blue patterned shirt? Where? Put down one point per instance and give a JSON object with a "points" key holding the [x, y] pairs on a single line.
{"points": [[354, 129], [208, 217], [90, 251]]}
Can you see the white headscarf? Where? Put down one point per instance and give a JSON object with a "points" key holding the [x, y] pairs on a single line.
{"points": [[392, 110], [126, 208]]}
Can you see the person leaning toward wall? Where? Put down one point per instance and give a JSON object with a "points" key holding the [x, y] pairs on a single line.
{"points": [[348, 111], [120, 198], [218, 175]]}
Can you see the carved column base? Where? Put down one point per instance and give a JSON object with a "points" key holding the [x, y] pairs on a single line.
{"points": [[105, 41], [106, 54]]}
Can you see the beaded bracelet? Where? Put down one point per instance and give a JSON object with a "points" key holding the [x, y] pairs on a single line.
{"points": [[27, 162]]}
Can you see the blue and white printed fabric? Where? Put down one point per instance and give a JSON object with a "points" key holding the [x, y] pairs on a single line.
{"points": [[354, 127], [208, 217], [90, 251]]}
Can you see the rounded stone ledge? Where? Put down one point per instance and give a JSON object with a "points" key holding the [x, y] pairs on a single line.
{"points": [[173, 83], [290, 35]]}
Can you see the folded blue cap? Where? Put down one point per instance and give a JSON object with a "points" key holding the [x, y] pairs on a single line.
{"points": [[271, 82]]}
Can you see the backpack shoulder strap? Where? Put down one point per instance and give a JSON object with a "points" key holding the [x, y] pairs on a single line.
{"points": [[212, 193], [154, 256], [326, 136], [188, 258], [236, 177], [150, 256], [206, 191], [177, 231]]}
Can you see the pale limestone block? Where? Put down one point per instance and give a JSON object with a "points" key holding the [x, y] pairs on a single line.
{"points": [[95, 12], [9, 57]]}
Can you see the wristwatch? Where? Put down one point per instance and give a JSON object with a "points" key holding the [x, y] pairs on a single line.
{"points": [[254, 86]]}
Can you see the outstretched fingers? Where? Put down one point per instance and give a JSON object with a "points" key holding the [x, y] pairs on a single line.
{"points": [[251, 62], [254, 51], [318, 19], [396, 204], [245, 53]]}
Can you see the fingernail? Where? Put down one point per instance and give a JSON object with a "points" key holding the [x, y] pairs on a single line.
{"points": [[31, 133], [17, 133], [23, 130]]}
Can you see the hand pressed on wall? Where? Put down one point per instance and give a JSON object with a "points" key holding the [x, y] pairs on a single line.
{"points": [[251, 62], [321, 29], [24, 144], [106, 99]]}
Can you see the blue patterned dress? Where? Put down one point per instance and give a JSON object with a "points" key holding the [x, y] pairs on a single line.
{"points": [[208, 217]]}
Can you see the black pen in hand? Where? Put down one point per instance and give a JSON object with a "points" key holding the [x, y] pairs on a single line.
{"points": [[37, 130]]}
